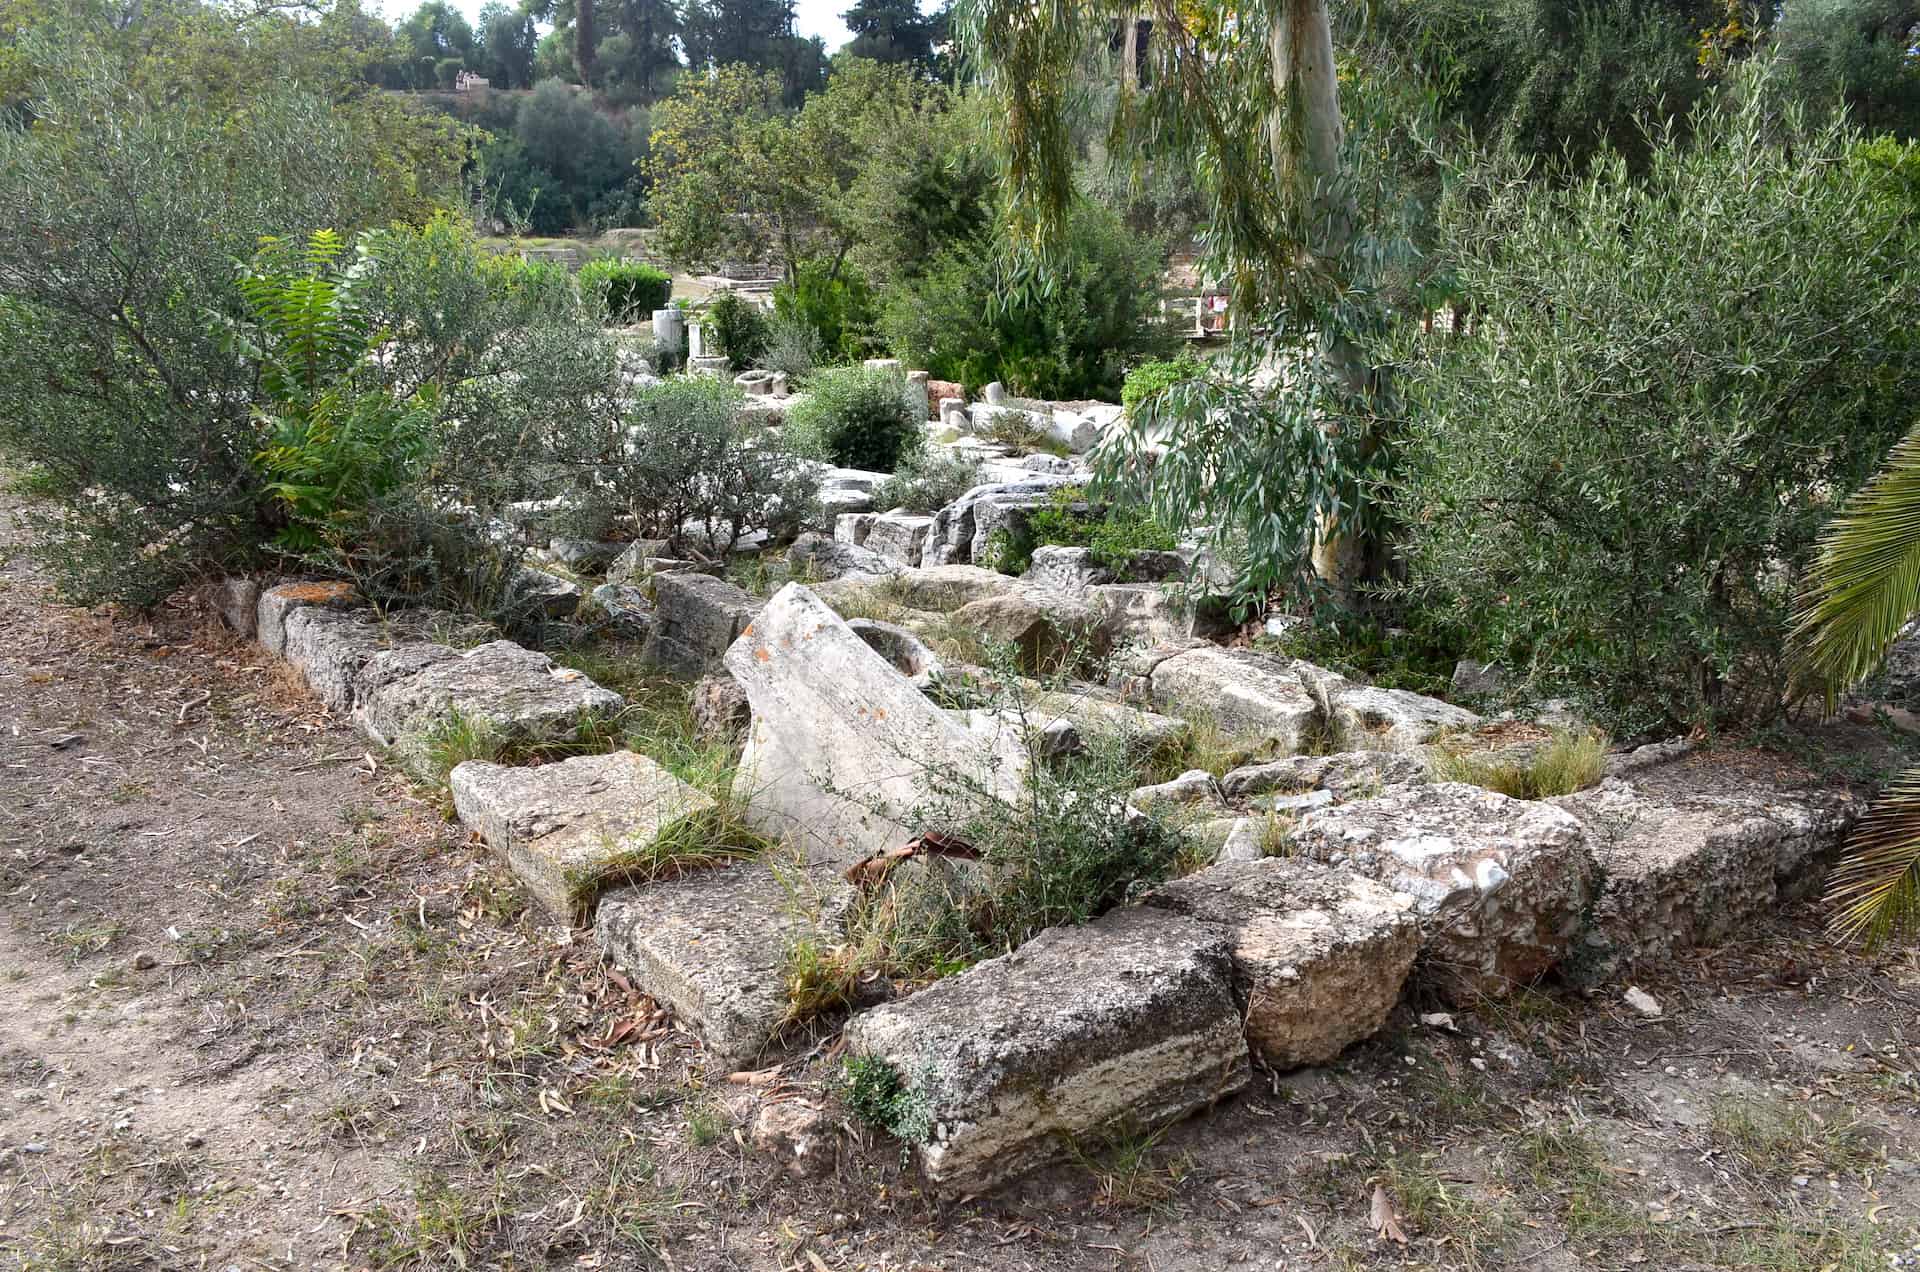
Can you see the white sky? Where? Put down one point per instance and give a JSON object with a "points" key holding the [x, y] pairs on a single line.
{"points": [[811, 17]]}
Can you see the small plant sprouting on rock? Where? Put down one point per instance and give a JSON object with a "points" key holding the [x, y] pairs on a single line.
{"points": [[882, 1099]]}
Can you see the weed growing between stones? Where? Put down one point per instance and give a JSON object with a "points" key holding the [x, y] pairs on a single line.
{"points": [[1571, 761], [1128, 1171], [876, 1094]]}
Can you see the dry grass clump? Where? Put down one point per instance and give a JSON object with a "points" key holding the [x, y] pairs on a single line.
{"points": [[1570, 761]]}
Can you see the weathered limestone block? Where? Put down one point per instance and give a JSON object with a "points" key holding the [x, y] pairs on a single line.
{"points": [[1094, 714], [818, 557], [1063, 569], [945, 588], [843, 748], [1347, 775], [1251, 697], [238, 600], [956, 525], [695, 618], [1691, 854], [1393, 719], [713, 946], [1500, 885], [899, 537], [1319, 954], [1045, 628], [720, 708], [1126, 1022], [627, 609], [852, 527], [571, 828], [270, 615], [536, 591], [583, 556], [402, 696], [1193, 790], [328, 648], [1139, 613]]}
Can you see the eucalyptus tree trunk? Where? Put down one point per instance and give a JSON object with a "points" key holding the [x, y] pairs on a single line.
{"points": [[1305, 135]]}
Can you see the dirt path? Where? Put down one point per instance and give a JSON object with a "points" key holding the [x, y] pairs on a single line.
{"points": [[262, 1007]]}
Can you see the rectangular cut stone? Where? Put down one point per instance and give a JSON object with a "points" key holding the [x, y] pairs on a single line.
{"points": [[843, 748], [713, 947], [569, 829], [1500, 885], [328, 648], [1392, 719], [238, 600], [899, 537], [1251, 697], [1690, 854], [270, 626], [695, 618], [403, 695], [1126, 1023], [1319, 954]]}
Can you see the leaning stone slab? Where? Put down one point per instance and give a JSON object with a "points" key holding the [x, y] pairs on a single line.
{"points": [[1253, 698], [1126, 1023], [270, 626], [569, 829], [1366, 718], [1500, 885], [402, 696], [1319, 954], [713, 947], [843, 748], [695, 618]]}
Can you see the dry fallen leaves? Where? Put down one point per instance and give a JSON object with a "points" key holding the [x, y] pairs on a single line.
{"points": [[1385, 1218]]}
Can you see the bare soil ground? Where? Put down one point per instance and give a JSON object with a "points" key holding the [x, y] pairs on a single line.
{"points": [[262, 1006]]}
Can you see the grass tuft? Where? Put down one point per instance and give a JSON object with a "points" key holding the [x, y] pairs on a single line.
{"points": [[1571, 761]]}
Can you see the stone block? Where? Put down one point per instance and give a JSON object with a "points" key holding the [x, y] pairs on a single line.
{"points": [[1126, 1023], [402, 696], [627, 609], [328, 648], [1063, 569], [1319, 954], [814, 556], [1393, 719], [713, 947], [720, 708], [695, 618], [1500, 885], [631, 565], [238, 600], [1347, 775], [908, 654], [270, 614], [1046, 629], [1253, 698], [569, 829], [946, 588], [852, 527], [538, 592], [1193, 791], [843, 748], [899, 537]]}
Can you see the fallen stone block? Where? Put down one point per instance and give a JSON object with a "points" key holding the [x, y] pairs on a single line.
{"points": [[1047, 630], [402, 697], [238, 600], [695, 618], [815, 556], [908, 654], [843, 748], [1393, 719], [1690, 853], [899, 537], [852, 527], [583, 556], [1064, 569], [1252, 698], [1347, 775], [1192, 790], [569, 829], [627, 609], [632, 564], [720, 708], [538, 592], [1500, 885], [945, 588], [270, 614], [1097, 715], [328, 648], [1319, 954], [1126, 1023], [713, 946]]}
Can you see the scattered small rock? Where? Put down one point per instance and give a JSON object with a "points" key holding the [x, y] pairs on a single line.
{"points": [[144, 961], [1643, 1003]]}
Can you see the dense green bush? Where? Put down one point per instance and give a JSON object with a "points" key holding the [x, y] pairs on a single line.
{"points": [[1614, 478], [632, 291], [928, 480], [858, 417], [977, 316], [1111, 534], [680, 467], [735, 329], [838, 307], [794, 348], [1156, 374]]}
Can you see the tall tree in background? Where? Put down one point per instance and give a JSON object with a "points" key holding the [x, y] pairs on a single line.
{"points": [[585, 40], [891, 31], [640, 47], [506, 43]]}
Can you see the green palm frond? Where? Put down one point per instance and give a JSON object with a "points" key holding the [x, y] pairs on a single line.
{"points": [[1875, 890], [1865, 581]]}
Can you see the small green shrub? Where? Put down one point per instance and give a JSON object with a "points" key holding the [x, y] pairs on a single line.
{"points": [[838, 308], [1388, 658], [928, 480], [1112, 535], [1154, 375], [1021, 433], [793, 349], [877, 1095], [628, 290], [858, 417], [736, 330]]}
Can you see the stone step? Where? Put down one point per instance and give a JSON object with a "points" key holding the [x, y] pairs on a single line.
{"points": [[1124, 1024]]}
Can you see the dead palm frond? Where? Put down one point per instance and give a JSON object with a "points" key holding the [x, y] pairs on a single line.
{"points": [[1875, 890], [1863, 590]]}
